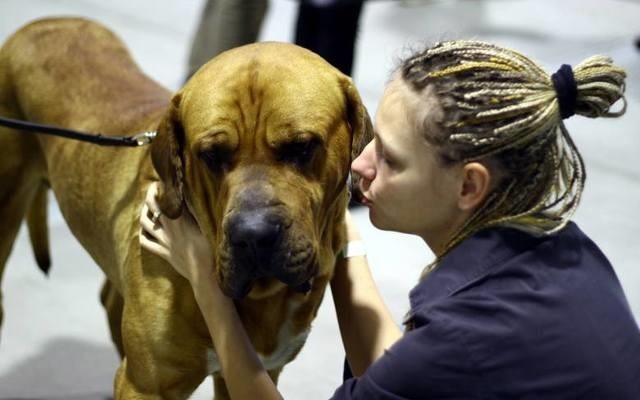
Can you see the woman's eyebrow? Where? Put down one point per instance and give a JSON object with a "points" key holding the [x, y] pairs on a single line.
{"points": [[389, 150]]}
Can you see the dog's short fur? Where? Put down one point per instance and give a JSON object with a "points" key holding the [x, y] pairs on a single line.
{"points": [[256, 146]]}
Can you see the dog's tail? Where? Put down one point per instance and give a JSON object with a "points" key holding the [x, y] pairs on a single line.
{"points": [[38, 229]]}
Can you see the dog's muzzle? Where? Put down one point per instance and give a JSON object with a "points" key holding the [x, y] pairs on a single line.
{"points": [[255, 236], [261, 245]]}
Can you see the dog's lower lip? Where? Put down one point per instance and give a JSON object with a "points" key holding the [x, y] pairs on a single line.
{"points": [[237, 293]]}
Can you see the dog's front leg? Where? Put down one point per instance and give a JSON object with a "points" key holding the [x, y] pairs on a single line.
{"points": [[165, 340]]}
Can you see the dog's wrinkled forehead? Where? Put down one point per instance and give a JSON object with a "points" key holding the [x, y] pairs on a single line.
{"points": [[273, 104], [263, 87]]}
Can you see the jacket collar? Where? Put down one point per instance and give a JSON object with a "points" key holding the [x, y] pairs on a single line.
{"points": [[471, 260]]}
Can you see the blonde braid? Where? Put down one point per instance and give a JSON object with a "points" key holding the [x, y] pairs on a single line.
{"points": [[600, 84], [500, 104]]}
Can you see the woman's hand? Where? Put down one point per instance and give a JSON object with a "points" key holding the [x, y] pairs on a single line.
{"points": [[178, 241], [183, 245]]}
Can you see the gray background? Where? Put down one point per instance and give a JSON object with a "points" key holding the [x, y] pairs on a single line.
{"points": [[55, 341]]}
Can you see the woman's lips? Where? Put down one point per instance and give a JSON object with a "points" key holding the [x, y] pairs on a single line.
{"points": [[365, 201]]}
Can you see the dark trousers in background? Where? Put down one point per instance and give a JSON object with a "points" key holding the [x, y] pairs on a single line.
{"points": [[326, 27], [330, 29]]}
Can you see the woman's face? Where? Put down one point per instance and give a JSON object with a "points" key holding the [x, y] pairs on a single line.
{"points": [[404, 184]]}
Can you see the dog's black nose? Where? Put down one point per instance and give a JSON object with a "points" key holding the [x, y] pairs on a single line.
{"points": [[255, 235]]}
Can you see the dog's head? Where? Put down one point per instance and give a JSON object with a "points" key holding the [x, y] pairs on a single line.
{"points": [[258, 146]]}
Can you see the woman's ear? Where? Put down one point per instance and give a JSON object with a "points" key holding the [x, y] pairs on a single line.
{"points": [[475, 185]]}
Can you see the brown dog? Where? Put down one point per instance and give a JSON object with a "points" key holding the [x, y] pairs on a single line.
{"points": [[256, 147]]}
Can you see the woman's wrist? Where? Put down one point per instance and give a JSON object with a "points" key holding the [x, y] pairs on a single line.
{"points": [[205, 286]]}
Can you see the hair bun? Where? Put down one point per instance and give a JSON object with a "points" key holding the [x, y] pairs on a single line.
{"points": [[600, 85]]}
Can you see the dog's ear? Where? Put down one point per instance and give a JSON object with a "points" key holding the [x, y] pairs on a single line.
{"points": [[166, 156], [361, 129]]}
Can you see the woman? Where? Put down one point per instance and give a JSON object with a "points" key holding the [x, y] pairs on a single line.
{"points": [[470, 154]]}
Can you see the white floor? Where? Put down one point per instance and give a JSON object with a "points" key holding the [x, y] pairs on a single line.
{"points": [[55, 343]]}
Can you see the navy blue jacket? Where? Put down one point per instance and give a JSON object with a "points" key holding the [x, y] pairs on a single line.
{"points": [[510, 316]]}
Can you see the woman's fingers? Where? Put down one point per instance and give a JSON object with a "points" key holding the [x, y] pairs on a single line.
{"points": [[152, 229], [153, 246], [150, 198], [178, 241]]}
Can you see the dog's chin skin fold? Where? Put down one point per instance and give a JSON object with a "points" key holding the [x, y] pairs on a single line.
{"points": [[237, 292]]}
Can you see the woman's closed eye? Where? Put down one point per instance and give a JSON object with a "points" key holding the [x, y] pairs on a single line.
{"points": [[383, 156]]}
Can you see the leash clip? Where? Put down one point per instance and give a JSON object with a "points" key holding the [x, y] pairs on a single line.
{"points": [[144, 137]]}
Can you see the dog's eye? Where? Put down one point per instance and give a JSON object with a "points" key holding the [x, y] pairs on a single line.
{"points": [[217, 159], [299, 153]]}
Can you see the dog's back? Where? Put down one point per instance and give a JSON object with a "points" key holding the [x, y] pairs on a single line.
{"points": [[75, 73]]}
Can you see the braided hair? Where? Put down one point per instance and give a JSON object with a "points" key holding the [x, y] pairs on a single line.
{"points": [[499, 105]]}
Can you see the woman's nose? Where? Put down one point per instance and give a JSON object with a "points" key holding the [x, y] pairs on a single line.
{"points": [[364, 164]]}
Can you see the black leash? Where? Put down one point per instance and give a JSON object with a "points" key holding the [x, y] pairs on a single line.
{"points": [[132, 141]]}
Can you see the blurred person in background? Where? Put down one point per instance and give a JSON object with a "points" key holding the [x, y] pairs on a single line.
{"points": [[327, 27]]}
